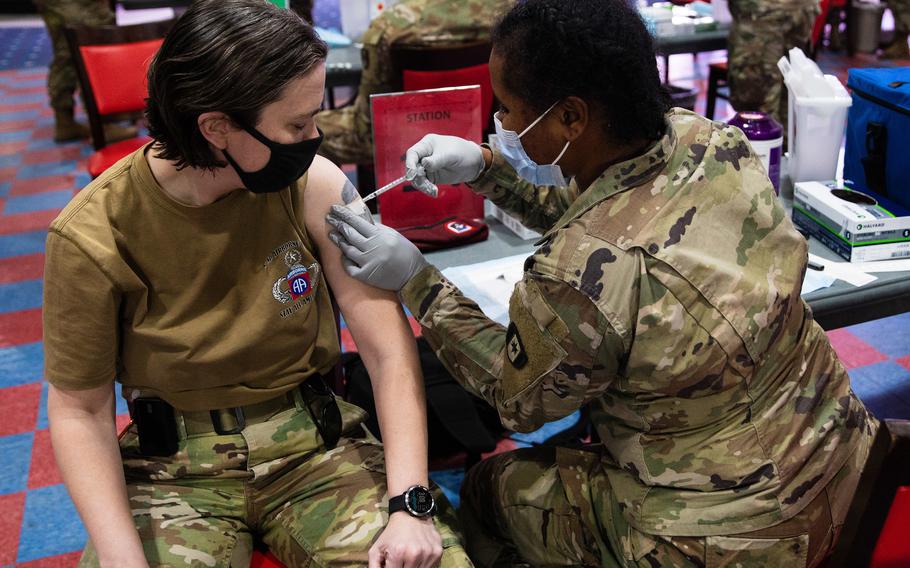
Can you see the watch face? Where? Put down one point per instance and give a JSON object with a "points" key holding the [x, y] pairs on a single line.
{"points": [[419, 500]]}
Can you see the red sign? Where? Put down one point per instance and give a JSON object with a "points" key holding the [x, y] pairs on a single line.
{"points": [[400, 120]]}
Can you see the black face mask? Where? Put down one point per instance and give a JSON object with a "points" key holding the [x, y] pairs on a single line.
{"points": [[287, 164]]}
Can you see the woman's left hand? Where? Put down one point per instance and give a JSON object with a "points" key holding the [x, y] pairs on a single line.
{"points": [[374, 254], [407, 542]]}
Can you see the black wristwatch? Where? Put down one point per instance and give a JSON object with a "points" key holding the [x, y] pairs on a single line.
{"points": [[417, 501]]}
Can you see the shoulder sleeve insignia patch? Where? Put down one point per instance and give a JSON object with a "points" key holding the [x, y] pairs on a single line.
{"points": [[515, 348]]}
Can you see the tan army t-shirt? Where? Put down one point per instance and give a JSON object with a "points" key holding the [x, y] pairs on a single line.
{"points": [[206, 307]]}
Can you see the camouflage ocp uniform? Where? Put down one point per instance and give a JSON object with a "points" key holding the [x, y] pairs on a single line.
{"points": [[667, 297], [310, 506], [348, 131], [61, 77], [762, 32]]}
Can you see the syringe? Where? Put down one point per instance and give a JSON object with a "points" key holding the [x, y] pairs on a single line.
{"points": [[385, 188], [427, 187]]}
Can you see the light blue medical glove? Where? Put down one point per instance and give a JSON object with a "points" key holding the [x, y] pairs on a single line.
{"points": [[443, 160], [374, 254]]}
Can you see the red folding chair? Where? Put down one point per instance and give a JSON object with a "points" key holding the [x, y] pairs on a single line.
{"points": [[875, 531], [112, 63], [457, 65]]}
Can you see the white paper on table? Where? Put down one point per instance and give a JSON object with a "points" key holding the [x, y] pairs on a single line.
{"points": [[489, 283], [844, 271], [816, 280], [899, 265]]}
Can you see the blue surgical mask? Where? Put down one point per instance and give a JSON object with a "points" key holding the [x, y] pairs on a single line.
{"points": [[509, 145]]}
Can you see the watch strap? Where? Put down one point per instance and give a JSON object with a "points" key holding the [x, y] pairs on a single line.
{"points": [[397, 504]]}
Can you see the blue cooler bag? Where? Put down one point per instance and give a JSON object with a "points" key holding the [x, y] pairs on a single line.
{"points": [[877, 157]]}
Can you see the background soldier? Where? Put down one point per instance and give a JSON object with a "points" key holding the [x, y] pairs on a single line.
{"points": [[762, 32], [349, 130], [899, 49], [61, 76]]}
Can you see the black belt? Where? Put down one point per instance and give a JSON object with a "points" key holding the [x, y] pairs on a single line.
{"points": [[314, 394]]}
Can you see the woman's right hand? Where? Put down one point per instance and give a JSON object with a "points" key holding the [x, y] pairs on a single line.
{"points": [[443, 160]]}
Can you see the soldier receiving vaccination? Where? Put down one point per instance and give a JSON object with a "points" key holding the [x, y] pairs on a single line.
{"points": [[196, 273], [349, 130], [664, 295]]}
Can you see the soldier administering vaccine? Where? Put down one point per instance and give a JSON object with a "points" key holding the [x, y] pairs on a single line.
{"points": [[664, 295]]}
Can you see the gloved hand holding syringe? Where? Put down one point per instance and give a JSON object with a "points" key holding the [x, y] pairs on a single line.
{"points": [[420, 183], [352, 199]]}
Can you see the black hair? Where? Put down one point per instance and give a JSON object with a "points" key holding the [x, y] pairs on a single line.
{"points": [[597, 50], [233, 56]]}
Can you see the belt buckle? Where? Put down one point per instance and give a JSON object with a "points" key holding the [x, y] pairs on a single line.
{"points": [[219, 427]]}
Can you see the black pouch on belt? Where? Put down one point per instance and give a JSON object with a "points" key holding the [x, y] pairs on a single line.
{"points": [[323, 408], [156, 426]]}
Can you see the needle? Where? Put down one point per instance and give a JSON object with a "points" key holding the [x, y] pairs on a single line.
{"points": [[385, 188]]}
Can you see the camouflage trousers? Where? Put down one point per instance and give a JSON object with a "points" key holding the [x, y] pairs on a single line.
{"points": [[274, 482], [754, 47], [61, 76], [555, 507], [901, 11]]}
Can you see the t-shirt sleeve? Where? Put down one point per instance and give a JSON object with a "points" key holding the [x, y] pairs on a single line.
{"points": [[80, 318]]}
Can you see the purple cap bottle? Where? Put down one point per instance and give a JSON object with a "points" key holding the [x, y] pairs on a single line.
{"points": [[767, 138]]}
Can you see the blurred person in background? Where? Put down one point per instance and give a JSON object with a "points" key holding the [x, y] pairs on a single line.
{"points": [[349, 130]]}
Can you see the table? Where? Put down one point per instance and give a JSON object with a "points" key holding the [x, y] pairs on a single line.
{"points": [[838, 306], [697, 42], [712, 40]]}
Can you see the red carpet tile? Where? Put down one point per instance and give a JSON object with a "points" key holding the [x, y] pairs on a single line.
{"points": [[10, 149], [7, 174], [44, 183], [20, 408], [61, 561], [19, 107], [20, 327], [43, 470], [53, 155], [14, 125], [853, 351], [27, 222], [10, 522], [19, 268]]}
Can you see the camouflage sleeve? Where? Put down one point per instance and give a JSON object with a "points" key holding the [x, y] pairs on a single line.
{"points": [[538, 207], [557, 353]]}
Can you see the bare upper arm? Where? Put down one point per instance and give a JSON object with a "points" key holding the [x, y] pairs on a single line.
{"points": [[361, 305]]}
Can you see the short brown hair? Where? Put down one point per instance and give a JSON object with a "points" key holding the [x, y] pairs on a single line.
{"points": [[233, 56]]}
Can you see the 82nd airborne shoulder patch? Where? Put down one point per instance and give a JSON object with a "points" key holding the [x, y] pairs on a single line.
{"points": [[515, 349]]}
